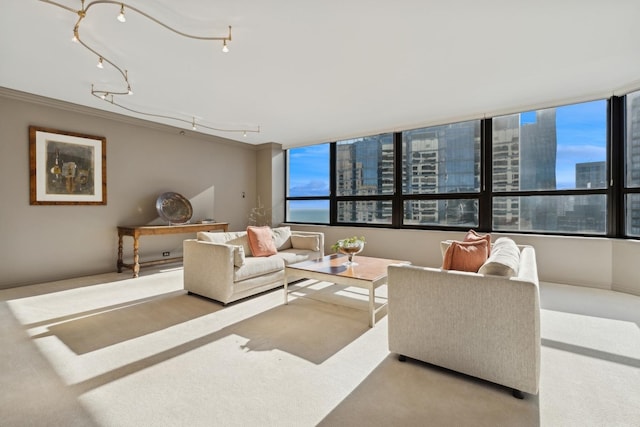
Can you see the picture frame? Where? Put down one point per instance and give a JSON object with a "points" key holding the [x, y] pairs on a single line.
{"points": [[66, 168]]}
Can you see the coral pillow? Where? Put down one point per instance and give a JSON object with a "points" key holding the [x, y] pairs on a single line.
{"points": [[465, 256], [261, 241], [472, 236]]}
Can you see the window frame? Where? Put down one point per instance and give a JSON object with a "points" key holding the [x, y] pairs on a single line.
{"points": [[615, 191]]}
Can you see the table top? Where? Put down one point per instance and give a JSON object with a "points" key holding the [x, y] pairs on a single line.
{"points": [[170, 229], [366, 268]]}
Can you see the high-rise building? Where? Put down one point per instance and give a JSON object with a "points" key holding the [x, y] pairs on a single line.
{"points": [[538, 148], [437, 160], [524, 158], [365, 167], [632, 201], [505, 165], [591, 175], [585, 213]]}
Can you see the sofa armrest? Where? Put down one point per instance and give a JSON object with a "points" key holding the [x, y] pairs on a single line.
{"points": [[208, 268], [528, 269]]}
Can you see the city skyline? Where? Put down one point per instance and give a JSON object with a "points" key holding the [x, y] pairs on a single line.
{"points": [[580, 132]]}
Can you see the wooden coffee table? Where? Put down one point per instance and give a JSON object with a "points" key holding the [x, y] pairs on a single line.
{"points": [[368, 273]]}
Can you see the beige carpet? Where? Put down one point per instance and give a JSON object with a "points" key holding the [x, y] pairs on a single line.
{"points": [[109, 350]]}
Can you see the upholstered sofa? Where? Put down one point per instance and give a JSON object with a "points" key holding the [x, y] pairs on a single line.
{"points": [[482, 325], [222, 266]]}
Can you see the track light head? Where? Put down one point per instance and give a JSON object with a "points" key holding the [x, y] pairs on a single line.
{"points": [[100, 64], [121, 16]]}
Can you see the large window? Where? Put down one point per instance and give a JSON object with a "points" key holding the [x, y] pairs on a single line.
{"points": [[308, 184], [553, 170], [538, 157], [439, 161], [365, 168]]}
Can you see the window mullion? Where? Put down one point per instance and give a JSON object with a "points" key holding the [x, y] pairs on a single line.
{"points": [[615, 143], [485, 200]]}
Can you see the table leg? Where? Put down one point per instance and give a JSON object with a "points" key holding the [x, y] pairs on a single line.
{"points": [[136, 257], [372, 311], [286, 291], [119, 264]]}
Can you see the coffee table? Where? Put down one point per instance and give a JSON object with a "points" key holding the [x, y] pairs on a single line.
{"points": [[368, 273]]}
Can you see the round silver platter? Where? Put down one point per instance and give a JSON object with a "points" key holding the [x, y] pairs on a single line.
{"points": [[174, 208]]}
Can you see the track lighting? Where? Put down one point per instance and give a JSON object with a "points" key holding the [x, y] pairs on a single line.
{"points": [[111, 95], [121, 16]]}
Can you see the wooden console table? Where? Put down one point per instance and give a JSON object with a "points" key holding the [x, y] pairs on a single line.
{"points": [[157, 230]]}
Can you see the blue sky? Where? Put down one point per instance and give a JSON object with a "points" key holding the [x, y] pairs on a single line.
{"points": [[309, 171], [581, 137]]}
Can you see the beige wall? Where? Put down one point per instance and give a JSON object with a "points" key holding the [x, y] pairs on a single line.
{"points": [[270, 180], [42, 243]]}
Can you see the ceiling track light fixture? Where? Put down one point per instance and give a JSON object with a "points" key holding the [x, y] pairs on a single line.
{"points": [[121, 16], [108, 96]]}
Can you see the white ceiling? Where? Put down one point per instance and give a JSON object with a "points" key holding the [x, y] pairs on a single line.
{"points": [[309, 72]]}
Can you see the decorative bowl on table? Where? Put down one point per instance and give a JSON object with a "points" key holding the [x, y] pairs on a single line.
{"points": [[350, 247], [174, 208]]}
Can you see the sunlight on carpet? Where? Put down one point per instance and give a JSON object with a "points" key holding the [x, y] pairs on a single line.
{"points": [[110, 350]]}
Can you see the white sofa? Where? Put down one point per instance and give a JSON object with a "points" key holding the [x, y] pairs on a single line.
{"points": [[480, 325], [220, 266]]}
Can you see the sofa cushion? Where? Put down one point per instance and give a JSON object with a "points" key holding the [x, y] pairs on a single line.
{"points": [[311, 243], [228, 238], [282, 237], [291, 256], [257, 266], [504, 259], [473, 236], [261, 241], [444, 245], [465, 256]]}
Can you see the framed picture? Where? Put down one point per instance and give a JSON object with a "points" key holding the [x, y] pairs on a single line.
{"points": [[67, 168]]}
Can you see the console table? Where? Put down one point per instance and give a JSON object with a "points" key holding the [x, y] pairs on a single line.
{"points": [[158, 230]]}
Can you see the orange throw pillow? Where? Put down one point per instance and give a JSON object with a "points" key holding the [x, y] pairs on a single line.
{"points": [[465, 256], [472, 236], [261, 241]]}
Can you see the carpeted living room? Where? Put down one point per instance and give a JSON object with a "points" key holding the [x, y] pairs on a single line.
{"points": [[139, 139], [110, 350]]}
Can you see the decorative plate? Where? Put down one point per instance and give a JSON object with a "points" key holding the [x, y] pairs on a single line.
{"points": [[174, 208]]}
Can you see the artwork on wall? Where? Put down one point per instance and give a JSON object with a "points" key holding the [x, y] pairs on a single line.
{"points": [[67, 168]]}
